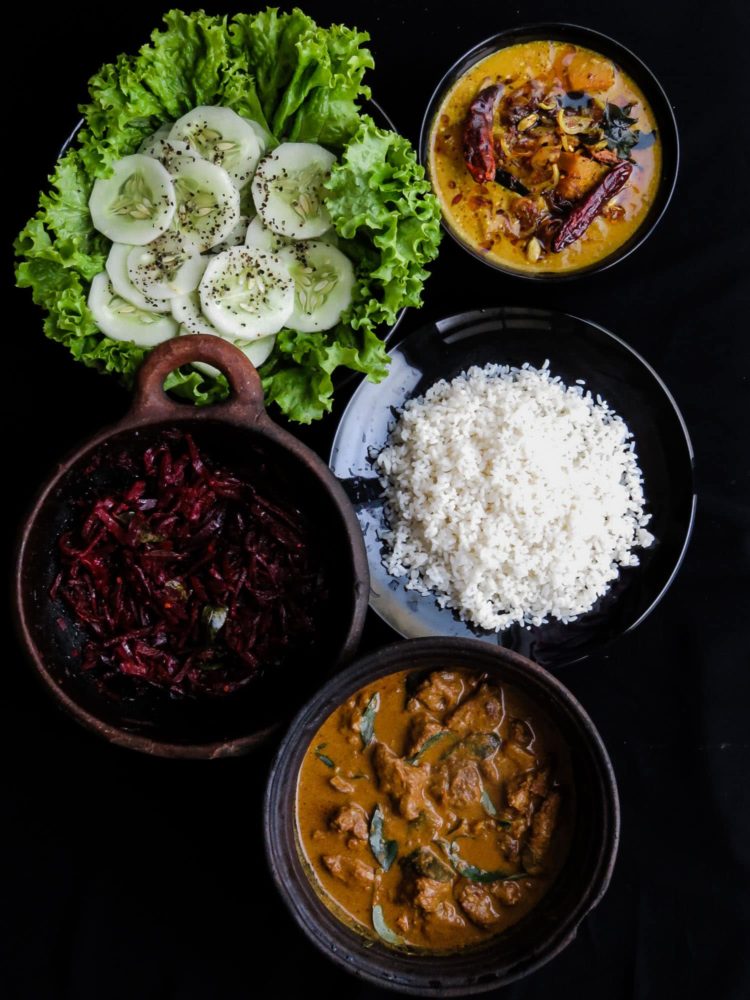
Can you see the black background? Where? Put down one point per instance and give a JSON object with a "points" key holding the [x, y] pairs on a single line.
{"points": [[132, 877]]}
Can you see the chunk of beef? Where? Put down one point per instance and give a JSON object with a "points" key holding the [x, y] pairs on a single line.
{"points": [[350, 718], [476, 902], [521, 757], [540, 781], [480, 713], [405, 784], [349, 869], [447, 913], [423, 727], [542, 828], [490, 770], [520, 733], [441, 691], [521, 789], [457, 783], [508, 893], [341, 784], [579, 174], [509, 845], [428, 893], [351, 819], [511, 835]]}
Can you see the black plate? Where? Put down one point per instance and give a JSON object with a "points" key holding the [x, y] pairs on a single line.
{"points": [[576, 349]]}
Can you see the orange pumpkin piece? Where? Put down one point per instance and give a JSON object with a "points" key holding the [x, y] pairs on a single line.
{"points": [[590, 73], [578, 175]]}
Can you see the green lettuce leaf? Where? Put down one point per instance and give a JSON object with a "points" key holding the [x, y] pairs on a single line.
{"points": [[381, 203], [303, 83]]}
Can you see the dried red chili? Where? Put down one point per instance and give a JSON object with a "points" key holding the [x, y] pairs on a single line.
{"points": [[478, 146], [189, 578], [586, 211]]}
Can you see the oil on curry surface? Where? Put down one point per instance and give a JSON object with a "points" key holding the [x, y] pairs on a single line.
{"points": [[545, 157], [435, 810]]}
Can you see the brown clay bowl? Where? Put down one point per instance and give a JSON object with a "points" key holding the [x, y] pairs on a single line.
{"points": [[545, 930], [232, 432]]}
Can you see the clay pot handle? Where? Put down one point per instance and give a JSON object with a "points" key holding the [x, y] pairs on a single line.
{"points": [[245, 405]]}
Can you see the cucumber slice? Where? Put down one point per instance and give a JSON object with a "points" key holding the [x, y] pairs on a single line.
{"points": [[121, 320], [208, 204], [264, 137], [136, 204], [186, 309], [247, 293], [166, 267], [149, 144], [165, 150], [117, 269], [257, 351], [323, 283], [220, 136], [288, 189], [262, 238]]}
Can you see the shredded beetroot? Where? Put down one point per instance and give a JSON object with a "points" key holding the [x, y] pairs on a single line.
{"points": [[189, 578]]}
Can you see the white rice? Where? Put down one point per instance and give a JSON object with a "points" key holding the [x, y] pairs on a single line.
{"points": [[511, 497]]}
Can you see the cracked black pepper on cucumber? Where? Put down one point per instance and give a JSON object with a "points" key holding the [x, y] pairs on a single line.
{"points": [[226, 181]]}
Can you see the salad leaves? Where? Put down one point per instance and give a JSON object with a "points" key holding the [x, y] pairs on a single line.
{"points": [[303, 83]]}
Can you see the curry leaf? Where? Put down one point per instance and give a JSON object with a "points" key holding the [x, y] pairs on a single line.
{"points": [[214, 617], [323, 757], [430, 742], [474, 874], [507, 180], [178, 588], [367, 722], [481, 745], [487, 804], [617, 126], [382, 928], [384, 851], [424, 862]]}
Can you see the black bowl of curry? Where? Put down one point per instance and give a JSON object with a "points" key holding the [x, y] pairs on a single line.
{"points": [[553, 151], [441, 816]]}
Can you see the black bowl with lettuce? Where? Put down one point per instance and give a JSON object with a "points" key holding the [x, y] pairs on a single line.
{"points": [[302, 83]]}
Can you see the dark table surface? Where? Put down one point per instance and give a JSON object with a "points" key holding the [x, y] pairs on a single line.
{"points": [[130, 877]]}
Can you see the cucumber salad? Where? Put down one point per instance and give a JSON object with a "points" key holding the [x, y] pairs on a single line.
{"points": [[227, 179], [212, 233]]}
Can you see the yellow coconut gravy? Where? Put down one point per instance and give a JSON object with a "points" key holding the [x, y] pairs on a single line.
{"points": [[562, 122], [434, 810]]}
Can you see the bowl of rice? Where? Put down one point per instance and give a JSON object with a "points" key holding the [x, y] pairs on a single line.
{"points": [[523, 477]]}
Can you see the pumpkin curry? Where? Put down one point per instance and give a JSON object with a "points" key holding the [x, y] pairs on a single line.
{"points": [[434, 810], [545, 157]]}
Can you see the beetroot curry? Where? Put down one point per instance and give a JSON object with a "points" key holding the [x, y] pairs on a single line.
{"points": [[434, 810], [545, 157]]}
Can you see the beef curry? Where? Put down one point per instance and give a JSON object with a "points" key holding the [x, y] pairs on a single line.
{"points": [[434, 810], [545, 157]]}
